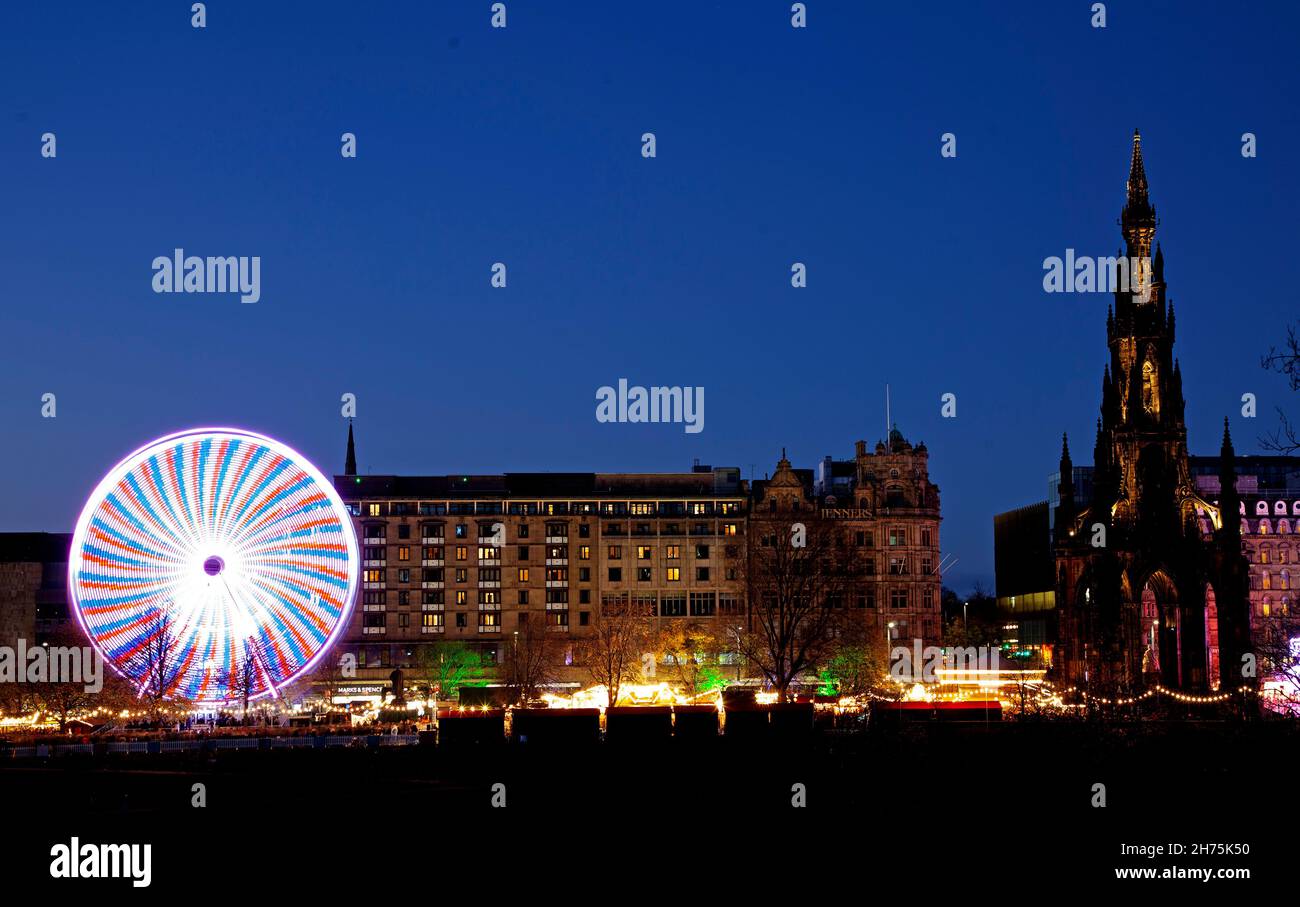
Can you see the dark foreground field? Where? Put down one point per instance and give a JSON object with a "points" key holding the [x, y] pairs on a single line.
{"points": [[990, 806]]}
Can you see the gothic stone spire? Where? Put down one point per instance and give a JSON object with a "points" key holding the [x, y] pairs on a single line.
{"points": [[350, 466], [1138, 217]]}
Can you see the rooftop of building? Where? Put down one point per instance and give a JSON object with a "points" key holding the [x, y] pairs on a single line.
{"points": [[721, 481], [34, 547]]}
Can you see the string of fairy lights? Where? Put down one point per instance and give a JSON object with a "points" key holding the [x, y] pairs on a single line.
{"points": [[1157, 690], [1038, 692]]}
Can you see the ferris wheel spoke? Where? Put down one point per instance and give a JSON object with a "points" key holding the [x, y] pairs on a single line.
{"points": [[245, 546]]}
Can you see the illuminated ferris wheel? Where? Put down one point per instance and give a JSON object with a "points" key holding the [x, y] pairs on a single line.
{"points": [[213, 564]]}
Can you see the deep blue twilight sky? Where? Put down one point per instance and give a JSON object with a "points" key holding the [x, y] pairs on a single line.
{"points": [[522, 145]]}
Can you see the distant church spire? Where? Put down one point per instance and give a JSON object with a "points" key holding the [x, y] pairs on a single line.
{"points": [[350, 467], [1067, 476], [1229, 500]]}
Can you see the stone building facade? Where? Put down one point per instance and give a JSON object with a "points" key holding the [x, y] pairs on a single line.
{"points": [[887, 511], [33, 586], [474, 558]]}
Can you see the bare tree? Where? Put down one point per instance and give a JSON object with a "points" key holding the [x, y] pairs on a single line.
{"points": [[1285, 361], [161, 662], [331, 674], [530, 661], [242, 680], [611, 654], [796, 594]]}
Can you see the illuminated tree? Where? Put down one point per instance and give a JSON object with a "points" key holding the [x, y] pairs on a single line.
{"points": [[447, 666], [66, 697], [691, 653], [1277, 648], [858, 662]]}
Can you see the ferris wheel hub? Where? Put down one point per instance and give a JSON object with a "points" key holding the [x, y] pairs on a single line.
{"points": [[213, 565]]}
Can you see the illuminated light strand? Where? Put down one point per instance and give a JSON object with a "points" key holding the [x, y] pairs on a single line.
{"points": [[1158, 689]]}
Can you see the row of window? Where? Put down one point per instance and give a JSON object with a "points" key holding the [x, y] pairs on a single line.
{"points": [[896, 536], [553, 552], [866, 538], [671, 604], [376, 576], [1264, 527], [548, 508], [489, 531], [435, 621], [1264, 554], [1267, 580]]}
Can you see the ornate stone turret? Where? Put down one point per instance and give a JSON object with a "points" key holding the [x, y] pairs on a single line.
{"points": [[1065, 510]]}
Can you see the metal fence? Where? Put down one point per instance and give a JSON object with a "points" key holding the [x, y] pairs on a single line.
{"points": [[128, 746], [238, 743]]}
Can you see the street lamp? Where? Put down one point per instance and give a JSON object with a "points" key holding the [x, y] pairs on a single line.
{"points": [[963, 614], [889, 636]]}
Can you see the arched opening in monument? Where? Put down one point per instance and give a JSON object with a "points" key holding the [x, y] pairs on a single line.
{"points": [[1150, 388], [1212, 636], [1159, 623]]}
